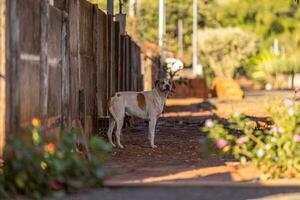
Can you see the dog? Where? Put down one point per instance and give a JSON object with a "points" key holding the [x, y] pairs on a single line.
{"points": [[146, 105]]}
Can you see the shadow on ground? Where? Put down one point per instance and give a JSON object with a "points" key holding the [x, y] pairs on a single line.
{"points": [[179, 156]]}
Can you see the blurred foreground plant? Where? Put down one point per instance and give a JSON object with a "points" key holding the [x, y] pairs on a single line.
{"points": [[274, 150], [46, 163]]}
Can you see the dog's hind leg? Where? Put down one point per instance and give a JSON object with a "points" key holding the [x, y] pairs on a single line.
{"points": [[112, 123], [119, 121]]}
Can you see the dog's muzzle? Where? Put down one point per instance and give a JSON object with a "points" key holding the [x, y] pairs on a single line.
{"points": [[167, 88]]}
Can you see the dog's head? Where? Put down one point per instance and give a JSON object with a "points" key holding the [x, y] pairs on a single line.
{"points": [[163, 85]]}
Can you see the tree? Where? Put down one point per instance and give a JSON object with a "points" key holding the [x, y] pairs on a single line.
{"points": [[225, 49]]}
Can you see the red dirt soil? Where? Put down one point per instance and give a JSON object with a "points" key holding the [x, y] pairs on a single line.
{"points": [[179, 155]]}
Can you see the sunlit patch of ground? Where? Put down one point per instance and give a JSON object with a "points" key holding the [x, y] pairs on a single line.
{"points": [[183, 101]]}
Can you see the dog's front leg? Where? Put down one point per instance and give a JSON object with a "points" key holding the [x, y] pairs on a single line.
{"points": [[152, 125]]}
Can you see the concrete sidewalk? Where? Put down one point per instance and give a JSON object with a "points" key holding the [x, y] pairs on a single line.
{"points": [[189, 193]]}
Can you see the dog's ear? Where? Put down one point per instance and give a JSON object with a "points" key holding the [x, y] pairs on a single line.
{"points": [[156, 83]]}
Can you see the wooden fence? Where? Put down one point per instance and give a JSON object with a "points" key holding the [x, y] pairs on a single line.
{"points": [[64, 60]]}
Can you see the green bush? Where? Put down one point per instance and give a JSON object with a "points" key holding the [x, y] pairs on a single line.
{"points": [[275, 150], [45, 163], [225, 49], [266, 66]]}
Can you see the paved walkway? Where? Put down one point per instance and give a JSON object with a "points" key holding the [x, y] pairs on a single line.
{"points": [[188, 193]]}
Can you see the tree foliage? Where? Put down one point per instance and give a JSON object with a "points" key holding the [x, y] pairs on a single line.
{"points": [[224, 49]]}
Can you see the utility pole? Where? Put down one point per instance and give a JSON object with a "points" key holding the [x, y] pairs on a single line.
{"points": [[132, 8], [110, 7], [161, 23], [180, 37], [196, 69]]}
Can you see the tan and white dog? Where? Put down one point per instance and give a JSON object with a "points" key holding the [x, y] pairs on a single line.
{"points": [[146, 105]]}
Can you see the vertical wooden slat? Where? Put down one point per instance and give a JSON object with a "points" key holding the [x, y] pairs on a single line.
{"points": [[2, 73], [97, 46], [106, 72], [74, 60], [127, 63], [103, 62], [12, 69], [141, 85], [113, 58], [123, 62], [117, 57], [65, 72], [110, 56], [44, 60]]}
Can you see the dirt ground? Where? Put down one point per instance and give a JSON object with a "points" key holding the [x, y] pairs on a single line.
{"points": [[179, 156]]}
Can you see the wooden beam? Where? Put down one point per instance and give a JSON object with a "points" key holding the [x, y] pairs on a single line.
{"points": [[2, 74]]}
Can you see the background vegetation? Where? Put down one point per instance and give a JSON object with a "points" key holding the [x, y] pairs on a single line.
{"points": [[270, 21]]}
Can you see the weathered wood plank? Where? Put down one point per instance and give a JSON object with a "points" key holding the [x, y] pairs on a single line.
{"points": [[109, 55], [117, 57], [12, 69], [2, 73], [88, 68], [65, 73], [44, 76], [98, 44], [29, 70], [74, 58], [55, 25], [103, 62]]}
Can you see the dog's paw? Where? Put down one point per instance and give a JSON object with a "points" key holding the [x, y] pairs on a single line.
{"points": [[153, 146], [121, 146], [113, 145]]}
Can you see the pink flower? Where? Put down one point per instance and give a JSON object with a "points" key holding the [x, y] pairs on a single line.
{"points": [[55, 185], [291, 111], [280, 130], [209, 123], [260, 153], [297, 138], [288, 102], [221, 143], [275, 129], [268, 146], [241, 140]]}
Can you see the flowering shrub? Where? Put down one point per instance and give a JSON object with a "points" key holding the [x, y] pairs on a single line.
{"points": [[275, 150], [50, 163]]}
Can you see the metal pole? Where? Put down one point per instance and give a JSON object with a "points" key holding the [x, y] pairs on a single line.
{"points": [[196, 70], [180, 37], [110, 7], [120, 6], [132, 8], [161, 23]]}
